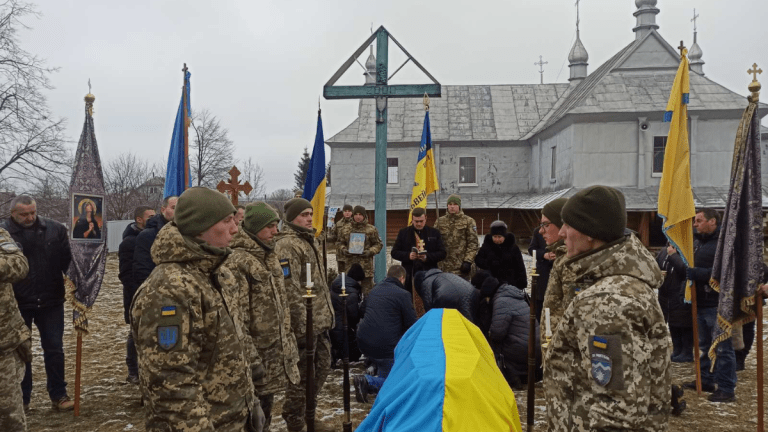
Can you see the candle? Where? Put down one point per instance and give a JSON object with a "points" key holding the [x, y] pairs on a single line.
{"points": [[343, 281], [534, 258], [549, 325], [309, 274]]}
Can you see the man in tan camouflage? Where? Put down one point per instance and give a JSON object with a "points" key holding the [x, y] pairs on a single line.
{"points": [[371, 246], [555, 297], [194, 370], [15, 341], [459, 233], [295, 247], [333, 235], [608, 364], [262, 295]]}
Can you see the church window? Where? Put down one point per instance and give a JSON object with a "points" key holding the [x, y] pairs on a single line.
{"points": [[153, 190], [467, 170], [553, 168], [659, 144], [392, 171]]}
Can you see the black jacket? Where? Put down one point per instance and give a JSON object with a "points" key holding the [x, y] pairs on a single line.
{"points": [[449, 291], [353, 300], [704, 247], [504, 261], [672, 290], [46, 246], [125, 256], [406, 240], [509, 329], [387, 314], [543, 265], [142, 256]]}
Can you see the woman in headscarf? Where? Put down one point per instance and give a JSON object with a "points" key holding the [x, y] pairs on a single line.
{"points": [[87, 226]]}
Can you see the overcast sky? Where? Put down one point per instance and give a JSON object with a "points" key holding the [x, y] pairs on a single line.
{"points": [[261, 65]]}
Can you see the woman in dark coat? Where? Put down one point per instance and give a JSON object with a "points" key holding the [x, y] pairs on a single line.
{"points": [[501, 256], [352, 281], [676, 311]]}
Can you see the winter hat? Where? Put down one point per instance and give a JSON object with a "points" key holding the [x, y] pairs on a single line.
{"points": [[498, 228], [200, 208], [479, 277], [356, 272], [257, 216], [489, 287], [598, 212], [346, 207], [294, 207], [454, 199], [358, 209], [552, 211]]}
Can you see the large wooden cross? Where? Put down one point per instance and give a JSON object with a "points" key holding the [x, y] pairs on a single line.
{"points": [[234, 187], [380, 91]]}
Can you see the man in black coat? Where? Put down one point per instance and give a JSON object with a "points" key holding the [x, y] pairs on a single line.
{"points": [[428, 245], [142, 256], [500, 256], [442, 290], [40, 295], [125, 256], [672, 301], [352, 280]]}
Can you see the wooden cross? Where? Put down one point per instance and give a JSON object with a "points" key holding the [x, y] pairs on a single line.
{"points": [[541, 64], [234, 187], [681, 48], [755, 71]]}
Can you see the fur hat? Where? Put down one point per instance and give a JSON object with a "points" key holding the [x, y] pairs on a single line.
{"points": [[498, 228]]}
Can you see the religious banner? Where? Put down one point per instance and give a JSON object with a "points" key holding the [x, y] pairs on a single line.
{"points": [[89, 230]]}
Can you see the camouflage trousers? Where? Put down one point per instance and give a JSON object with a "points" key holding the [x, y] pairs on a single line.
{"points": [[12, 417], [295, 403], [367, 285], [267, 401], [341, 266]]}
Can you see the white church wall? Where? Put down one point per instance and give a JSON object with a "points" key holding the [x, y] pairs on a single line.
{"points": [[562, 144], [499, 169], [711, 164], [605, 153], [352, 170]]}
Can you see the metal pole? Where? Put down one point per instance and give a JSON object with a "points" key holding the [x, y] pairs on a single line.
{"points": [[759, 337], [532, 349], [79, 357], [380, 203], [309, 414], [185, 129], [347, 424], [696, 354]]}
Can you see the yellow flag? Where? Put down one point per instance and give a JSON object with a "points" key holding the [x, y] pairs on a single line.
{"points": [[675, 193], [425, 180]]}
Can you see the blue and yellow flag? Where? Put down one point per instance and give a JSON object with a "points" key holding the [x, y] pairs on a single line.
{"points": [[676, 205], [177, 174], [314, 185], [425, 180]]}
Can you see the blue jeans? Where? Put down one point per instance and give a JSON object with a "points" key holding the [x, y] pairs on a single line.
{"points": [[724, 374], [384, 366], [50, 324]]}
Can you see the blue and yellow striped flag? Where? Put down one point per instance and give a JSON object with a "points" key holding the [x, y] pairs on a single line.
{"points": [[676, 205], [425, 180], [314, 185]]}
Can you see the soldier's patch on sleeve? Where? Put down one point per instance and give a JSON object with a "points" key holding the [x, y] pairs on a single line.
{"points": [[606, 355], [286, 266], [168, 311], [167, 336], [9, 247], [474, 228]]}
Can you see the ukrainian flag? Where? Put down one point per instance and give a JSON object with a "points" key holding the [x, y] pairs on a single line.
{"points": [[425, 180], [314, 185], [444, 379], [178, 176], [676, 205]]}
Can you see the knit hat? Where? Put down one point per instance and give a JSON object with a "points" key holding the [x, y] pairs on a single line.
{"points": [[200, 208], [346, 207], [294, 207], [455, 199], [257, 216], [498, 228], [552, 211], [359, 209], [598, 212], [479, 277], [356, 272]]}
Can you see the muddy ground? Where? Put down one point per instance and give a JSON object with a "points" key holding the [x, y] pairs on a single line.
{"points": [[108, 403]]}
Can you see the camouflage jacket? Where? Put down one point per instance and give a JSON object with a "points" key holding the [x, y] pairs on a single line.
{"points": [[557, 298], [267, 317], [373, 245], [460, 239], [333, 235], [608, 364], [294, 250], [13, 268], [193, 368]]}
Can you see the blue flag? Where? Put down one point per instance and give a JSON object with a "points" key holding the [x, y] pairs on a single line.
{"points": [[175, 183], [314, 185]]}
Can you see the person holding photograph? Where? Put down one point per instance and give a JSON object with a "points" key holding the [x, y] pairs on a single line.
{"points": [[357, 233]]}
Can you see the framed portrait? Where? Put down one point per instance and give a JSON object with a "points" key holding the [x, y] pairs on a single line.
{"points": [[87, 220], [356, 243]]}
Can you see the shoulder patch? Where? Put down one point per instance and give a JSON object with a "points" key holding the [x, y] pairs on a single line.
{"points": [[606, 356], [168, 311], [601, 369], [167, 336], [286, 266]]}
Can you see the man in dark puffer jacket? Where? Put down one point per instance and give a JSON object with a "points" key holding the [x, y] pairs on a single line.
{"points": [[501, 256], [142, 256], [439, 289]]}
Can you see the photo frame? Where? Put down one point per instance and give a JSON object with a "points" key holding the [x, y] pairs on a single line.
{"points": [[87, 218]]}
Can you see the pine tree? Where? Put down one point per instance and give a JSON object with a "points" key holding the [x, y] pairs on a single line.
{"points": [[301, 172]]}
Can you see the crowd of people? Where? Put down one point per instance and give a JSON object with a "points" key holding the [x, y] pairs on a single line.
{"points": [[218, 324]]}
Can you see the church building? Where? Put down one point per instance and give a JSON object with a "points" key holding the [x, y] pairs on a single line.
{"points": [[510, 149]]}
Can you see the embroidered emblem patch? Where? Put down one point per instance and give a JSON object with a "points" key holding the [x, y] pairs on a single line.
{"points": [[600, 342], [601, 369], [285, 264], [168, 311], [167, 337]]}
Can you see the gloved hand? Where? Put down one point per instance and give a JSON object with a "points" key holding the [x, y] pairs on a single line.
{"points": [[466, 267], [343, 250], [258, 374], [257, 420], [367, 254], [25, 351], [689, 273]]}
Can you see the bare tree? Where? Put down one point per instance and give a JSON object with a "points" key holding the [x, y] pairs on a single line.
{"points": [[280, 195], [123, 178], [210, 150], [32, 143], [254, 174], [51, 194]]}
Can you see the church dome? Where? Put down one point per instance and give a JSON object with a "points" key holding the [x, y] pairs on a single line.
{"points": [[370, 64], [695, 52], [641, 3], [578, 53]]}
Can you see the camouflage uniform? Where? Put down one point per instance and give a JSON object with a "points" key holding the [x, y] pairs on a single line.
{"points": [[557, 297], [295, 248], [459, 233], [373, 245], [333, 237], [608, 364], [268, 317], [193, 368], [15, 342]]}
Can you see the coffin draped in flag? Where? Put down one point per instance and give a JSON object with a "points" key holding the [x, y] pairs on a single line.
{"points": [[177, 174], [314, 185], [444, 379], [89, 230], [738, 268], [676, 205], [425, 179]]}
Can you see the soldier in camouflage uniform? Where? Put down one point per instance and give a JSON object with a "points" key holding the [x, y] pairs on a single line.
{"points": [[554, 298], [15, 342], [194, 371], [333, 235], [459, 233], [608, 364], [296, 246], [373, 245], [262, 296]]}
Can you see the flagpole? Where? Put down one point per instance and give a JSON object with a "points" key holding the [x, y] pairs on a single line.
{"points": [[759, 333], [186, 127], [696, 354]]}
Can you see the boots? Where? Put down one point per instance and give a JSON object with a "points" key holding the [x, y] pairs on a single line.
{"points": [[686, 350]]}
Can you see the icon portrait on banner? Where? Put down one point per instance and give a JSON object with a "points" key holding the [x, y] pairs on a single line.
{"points": [[87, 219]]}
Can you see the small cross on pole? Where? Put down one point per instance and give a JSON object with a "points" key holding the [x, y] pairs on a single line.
{"points": [[577, 15], [234, 187], [681, 48], [693, 20], [754, 72], [541, 64]]}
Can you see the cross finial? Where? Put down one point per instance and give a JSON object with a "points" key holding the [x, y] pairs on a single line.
{"points": [[89, 85], [681, 48], [693, 20], [541, 64], [184, 69], [577, 15], [754, 71]]}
